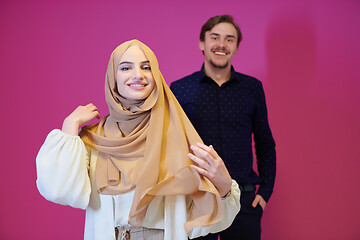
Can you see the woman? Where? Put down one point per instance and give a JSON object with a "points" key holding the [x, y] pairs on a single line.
{"points": [[130, 171]]}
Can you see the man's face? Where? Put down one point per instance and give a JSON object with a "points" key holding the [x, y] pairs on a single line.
{"points": [[220, 45]]}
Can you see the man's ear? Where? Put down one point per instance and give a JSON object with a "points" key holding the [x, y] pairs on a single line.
{"points": [[201, 45]]}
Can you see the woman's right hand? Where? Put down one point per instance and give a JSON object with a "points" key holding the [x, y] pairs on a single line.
{"points": [[80, 116]]}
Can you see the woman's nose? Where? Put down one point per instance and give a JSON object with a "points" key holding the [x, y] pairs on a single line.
{"points": [[137, 73]]}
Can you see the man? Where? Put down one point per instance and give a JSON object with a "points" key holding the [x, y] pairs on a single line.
{"points": [[227, 109]]}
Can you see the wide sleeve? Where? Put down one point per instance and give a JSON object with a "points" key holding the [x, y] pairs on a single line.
{"points": [[231, 209], [62, 170]]}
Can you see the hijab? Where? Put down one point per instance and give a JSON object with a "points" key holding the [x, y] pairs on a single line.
{"points": [[143, 145]]}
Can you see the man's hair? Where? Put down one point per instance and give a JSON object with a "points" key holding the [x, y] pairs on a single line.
{"points": [[220, 19]]}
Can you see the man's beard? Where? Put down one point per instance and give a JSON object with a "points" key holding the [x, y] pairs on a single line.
{"points": [[219, 66]]}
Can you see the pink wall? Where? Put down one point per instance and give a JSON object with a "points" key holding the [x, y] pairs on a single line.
{"points": [[54, 56]]}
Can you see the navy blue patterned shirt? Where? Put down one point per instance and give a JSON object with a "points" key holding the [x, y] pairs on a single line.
{"points": [[227, 117]]}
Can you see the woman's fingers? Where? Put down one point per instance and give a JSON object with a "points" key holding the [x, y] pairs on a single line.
{"points": [[201, 171], [80, 116], [204, 151], [86, 113], [202, 164], [94, 110], [97, 114], [211, 166]]}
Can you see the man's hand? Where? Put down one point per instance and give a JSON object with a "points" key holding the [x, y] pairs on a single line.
{"points": [[212, 167], [259, 200]]}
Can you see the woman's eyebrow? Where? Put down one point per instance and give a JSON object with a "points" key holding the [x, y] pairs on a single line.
{"points": [[126, 63], [143, 62]]}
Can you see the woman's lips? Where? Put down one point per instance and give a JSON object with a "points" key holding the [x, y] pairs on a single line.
{"points": [[137, 86]]}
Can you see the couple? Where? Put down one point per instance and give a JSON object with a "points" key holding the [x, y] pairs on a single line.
{"points": [[143, 171]]}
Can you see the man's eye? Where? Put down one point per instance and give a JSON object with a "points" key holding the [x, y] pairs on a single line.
{"points": [[214, 38], [230, 40]]}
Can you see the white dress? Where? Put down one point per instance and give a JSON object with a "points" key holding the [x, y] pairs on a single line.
{"points": [[66, 175]]}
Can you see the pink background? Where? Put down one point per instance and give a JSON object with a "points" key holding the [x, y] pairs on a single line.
{"points": [[54, 56]]}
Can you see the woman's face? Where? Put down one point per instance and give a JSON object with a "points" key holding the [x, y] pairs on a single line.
{"points": [[133, 75]]}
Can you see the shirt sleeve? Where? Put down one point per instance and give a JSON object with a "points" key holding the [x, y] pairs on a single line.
{"points": [[62, 170], [231, 209], [264, 147]]}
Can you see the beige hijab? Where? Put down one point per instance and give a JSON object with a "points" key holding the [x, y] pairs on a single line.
{"points": [[144, 145]]}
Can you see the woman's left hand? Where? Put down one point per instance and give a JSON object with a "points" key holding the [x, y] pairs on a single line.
{"points": [[211, 166]]}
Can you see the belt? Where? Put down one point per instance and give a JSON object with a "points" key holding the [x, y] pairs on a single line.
{"points": [[247, 187], [137, 233]]}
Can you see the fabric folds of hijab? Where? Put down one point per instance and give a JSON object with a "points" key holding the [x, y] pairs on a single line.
{"points": [[144, 145]]}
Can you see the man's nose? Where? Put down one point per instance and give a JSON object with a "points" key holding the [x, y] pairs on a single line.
{"points": [[222, 43]]}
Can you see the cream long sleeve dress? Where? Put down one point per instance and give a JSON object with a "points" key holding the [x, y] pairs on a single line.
{"points": [[66, 175]]}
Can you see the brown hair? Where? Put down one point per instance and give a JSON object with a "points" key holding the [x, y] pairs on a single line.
{"points": [[216, 20]]}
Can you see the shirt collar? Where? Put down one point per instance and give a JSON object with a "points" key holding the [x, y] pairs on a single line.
{"points": [[204, 77]]}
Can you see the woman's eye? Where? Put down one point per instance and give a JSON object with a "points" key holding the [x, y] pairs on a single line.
{"points": [[146, 67], [124, 68]]}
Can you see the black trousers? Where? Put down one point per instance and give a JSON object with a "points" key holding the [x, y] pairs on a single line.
{"points": [[247, 224]]}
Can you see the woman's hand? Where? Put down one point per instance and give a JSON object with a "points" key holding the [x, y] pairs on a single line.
{"points": [[211, 166], [80, 116]]}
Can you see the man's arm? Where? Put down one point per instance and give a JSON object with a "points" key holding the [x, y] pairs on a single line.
{"points": [[264, 148]]}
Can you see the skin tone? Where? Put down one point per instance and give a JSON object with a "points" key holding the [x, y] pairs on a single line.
{"points": [[134, 77], [219, 48], [134, 81]]}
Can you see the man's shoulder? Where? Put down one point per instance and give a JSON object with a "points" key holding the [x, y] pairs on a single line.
{"points": [[247, 78], [187, 80]]}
